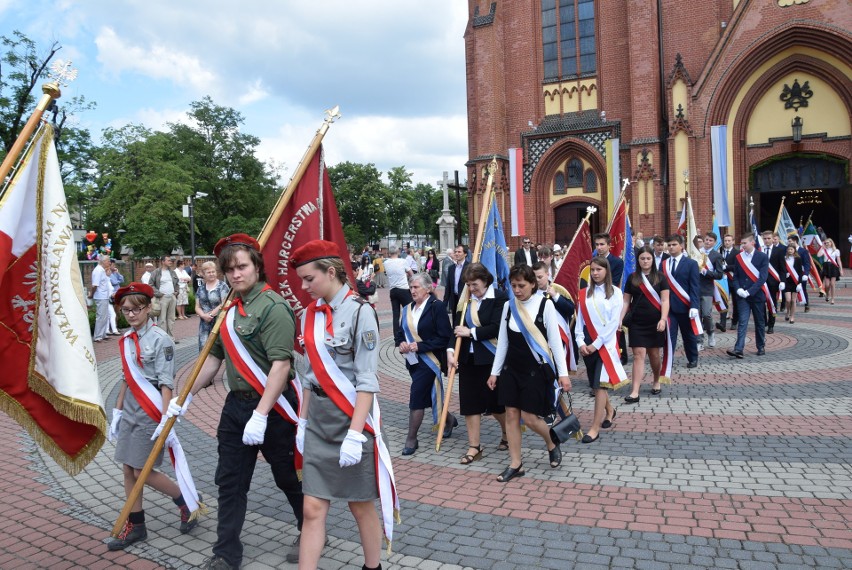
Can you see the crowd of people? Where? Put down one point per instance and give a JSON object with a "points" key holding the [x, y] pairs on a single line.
{"points": [[512, 354]]}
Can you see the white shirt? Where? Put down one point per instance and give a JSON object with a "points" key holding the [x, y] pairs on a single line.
{"points": [[395, 270], [417, 312], [609, 311], [411, 261], [551, 324], [166, 285], [101, 281], [146, 277], [458, 272], [528, 255]]}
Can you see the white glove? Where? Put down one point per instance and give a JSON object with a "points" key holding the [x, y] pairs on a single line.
{"points": [[300, 435], [805, 278], [799, 288], [160, 427], [742, 293], [112, 434], [693, 313], [175, 410], [255, 429], [350, 449], [782, 286]]}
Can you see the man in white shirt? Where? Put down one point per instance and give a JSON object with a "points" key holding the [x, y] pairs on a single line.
{"points": [[398, 272], [164, 281], [413, 261], [146, 277], [99, 292]]}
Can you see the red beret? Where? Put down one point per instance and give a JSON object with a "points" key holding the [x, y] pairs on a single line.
{"points": [[236, 239], [314, 250], [134, 288]]}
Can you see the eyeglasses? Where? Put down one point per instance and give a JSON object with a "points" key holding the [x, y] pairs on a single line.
{"points": [[127, 311], [527, 242]]}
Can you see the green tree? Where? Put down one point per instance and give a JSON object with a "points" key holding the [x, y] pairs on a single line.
{"points": [[360, 195]]}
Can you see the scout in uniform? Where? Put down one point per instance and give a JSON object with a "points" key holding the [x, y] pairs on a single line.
{"points": [[260, 413]]}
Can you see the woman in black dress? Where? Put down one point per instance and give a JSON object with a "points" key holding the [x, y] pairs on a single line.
{"points": [[647, 323], [791, 281], [478, 329]]}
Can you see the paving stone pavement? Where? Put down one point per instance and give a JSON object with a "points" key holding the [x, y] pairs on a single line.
{"points": [[737, 464]]}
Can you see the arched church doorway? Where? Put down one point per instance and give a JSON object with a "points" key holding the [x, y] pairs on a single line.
{"points": [[811, 186], [567, 218]]}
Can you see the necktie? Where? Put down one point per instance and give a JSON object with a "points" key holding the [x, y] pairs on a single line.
{"points": [[674, 265]]}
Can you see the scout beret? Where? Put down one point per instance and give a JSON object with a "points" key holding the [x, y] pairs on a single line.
{"points": [[236, 239], [134, 288], [314, 250]]}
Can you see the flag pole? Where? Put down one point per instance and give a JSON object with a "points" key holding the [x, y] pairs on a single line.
{"points": [[51, 91], [780, 209], [331, 115], [477, 252]]}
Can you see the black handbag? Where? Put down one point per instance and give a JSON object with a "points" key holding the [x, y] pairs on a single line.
{"points": [[568, 426], [366, 289], [628, 319]]}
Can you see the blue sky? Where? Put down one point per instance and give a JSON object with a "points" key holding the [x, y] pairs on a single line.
{"points": [[395, 68]]}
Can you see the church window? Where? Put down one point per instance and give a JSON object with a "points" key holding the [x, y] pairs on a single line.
{"points": [[575, 173], [591, 182], [559, 183], [568, 38]]}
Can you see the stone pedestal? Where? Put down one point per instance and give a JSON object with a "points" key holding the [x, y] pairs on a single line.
{"points": [[447, 222]]}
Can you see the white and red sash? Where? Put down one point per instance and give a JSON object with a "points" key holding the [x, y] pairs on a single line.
{"points": [[668, 353], [791, 271], [754, 275], [612, 372], [151, 401], [256, 377], [720, 299], [341, 391], [681, 293]]}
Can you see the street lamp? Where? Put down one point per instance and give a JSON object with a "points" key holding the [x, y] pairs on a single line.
{"points": [[189, 212], [797, 125]]}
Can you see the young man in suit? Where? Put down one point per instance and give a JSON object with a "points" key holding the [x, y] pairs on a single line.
{"points": [[455, 284], [775, 252], [616, 264], [750, 272], [685, 297], [729, 254], [709, 272], [527, 254], [660, 251]]}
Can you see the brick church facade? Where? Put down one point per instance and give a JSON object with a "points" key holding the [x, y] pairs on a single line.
{"points": [[594, 91]]}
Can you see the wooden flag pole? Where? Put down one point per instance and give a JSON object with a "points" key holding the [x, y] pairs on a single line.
{"points": [[51, 91], [271, 221], [780, 209], [477, 252]]}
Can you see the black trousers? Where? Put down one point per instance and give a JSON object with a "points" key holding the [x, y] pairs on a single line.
{"points": [[398, 298], [236, 467]]}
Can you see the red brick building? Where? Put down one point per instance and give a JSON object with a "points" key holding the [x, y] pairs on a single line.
{"points": [[597, 90]]}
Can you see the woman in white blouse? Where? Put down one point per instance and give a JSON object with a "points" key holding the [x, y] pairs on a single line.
{"points": [[832, 269], [598, 320], [529, 357]]}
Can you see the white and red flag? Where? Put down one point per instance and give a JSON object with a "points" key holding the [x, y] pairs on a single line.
{"points": [[310, 214], [516, 191], [49, 383]]}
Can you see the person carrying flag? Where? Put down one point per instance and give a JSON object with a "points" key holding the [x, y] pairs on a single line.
{"points": [[345, 456], [147, 357], [261, 410]]}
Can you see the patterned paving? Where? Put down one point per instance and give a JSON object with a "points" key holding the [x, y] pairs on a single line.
{"points": [[738, 464]]}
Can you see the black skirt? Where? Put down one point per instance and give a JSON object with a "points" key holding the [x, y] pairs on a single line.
{"points": [[475, 397], [528, 390]]}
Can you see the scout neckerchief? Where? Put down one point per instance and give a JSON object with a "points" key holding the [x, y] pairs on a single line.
{"points": [[342, 393], [668, 354], [565, 328], [612, 370], [247, 368], [151, 401], [753, 274], [791, 271], [428, 358], [681, 293], [535, 340], [471, 319]]}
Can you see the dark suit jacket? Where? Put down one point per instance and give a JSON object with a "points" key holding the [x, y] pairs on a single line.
{"points": [[806, 259], [776, 261], [520, 258], [686, 274], [434, 330], [743, 281], [490, 311], [730, 258], [451, 298], [665, 256], [616, 265], [707, 281]]}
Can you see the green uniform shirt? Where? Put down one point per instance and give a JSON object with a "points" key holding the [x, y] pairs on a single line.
{"points": [[267, 331]]}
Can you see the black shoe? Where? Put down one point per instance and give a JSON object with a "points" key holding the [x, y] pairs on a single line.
{"points": [[592, 393], [807, 308], [770, 330], [217, 563], [720, 327], [448, 431], [693, 364], [186, 524], [589, 439], [129, 534], [293, 552], [632, 400], [555, 455], [656, 391], [510, 473], [410, 450], [735, 353], [761, 351], [734, 324], [607, 423]]}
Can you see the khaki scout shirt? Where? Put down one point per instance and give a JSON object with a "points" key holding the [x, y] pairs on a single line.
{"points": [[267, 331]]}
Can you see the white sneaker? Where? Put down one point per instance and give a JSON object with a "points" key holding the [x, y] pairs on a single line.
{"points": [[712, 341], [700, 346]]}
